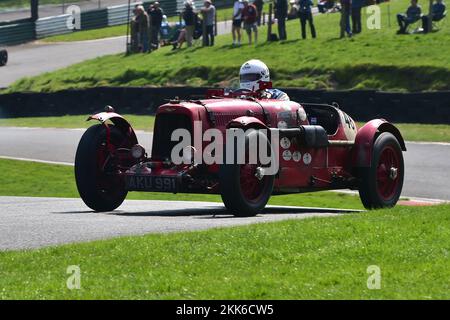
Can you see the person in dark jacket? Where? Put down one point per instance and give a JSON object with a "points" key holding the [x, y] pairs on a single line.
{"points": [[356, 15], [259, 4], [281, 12], [346, 9], [437, 14], [413, 13], [305, 15], [190, 19], [156, 16]]}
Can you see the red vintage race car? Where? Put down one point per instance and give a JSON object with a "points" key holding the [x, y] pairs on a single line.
{"points": [[309, 147]]}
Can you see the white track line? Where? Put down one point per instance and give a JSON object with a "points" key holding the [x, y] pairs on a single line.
{"points": [[38, 161]]}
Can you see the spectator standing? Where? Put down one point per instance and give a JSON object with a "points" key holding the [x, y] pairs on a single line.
{"points": [[305, 15], [134, 28], [209, 15], [237, 22], [143, 26], [281, 12], [346, 8], [356, 15], [190, 19], [413, 13], [259, 5], [249, 16], [437, 13], [156, 17]]}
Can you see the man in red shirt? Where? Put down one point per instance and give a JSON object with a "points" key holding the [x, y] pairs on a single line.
{"points": [[249, 16]]}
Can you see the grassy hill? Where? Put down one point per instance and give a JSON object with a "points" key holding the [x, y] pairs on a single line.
{"points": [[375, 59]]}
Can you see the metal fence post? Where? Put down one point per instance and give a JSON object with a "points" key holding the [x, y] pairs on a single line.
{"points": [[269, 21]]}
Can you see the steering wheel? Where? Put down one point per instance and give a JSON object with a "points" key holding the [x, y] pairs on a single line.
{"points": [[242, 91]]}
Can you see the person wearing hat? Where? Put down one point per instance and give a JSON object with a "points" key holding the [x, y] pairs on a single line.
{"points": [[156, 16], [209, 15]]}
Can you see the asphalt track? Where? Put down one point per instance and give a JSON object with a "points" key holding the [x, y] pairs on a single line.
{"points": [[426, 163], [38, 222]]}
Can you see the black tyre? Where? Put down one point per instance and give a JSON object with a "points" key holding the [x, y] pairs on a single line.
{"points": [[3, 57], [242, 192], [380, 185], [99, 186]]}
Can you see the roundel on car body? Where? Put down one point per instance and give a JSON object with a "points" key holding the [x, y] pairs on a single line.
{"points": [[282, 124], [287, 155], [307, 158], [296, 156], [285, 143]]}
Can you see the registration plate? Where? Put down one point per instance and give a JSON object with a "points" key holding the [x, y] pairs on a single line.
{"points": [[151, 183]]}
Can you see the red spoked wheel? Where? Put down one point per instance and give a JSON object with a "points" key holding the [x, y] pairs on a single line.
{"points": [[103, 152], [387, 173], [245, 188], [381, 184], [251, 186]]}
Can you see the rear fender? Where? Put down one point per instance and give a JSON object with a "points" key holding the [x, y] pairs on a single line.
{"points": [[118, 121], [365, 138]]}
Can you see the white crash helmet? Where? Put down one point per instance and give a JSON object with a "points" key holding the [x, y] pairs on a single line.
{"points": [[251, 73]]}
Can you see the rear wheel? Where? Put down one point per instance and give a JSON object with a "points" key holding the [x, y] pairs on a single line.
{"points": [[96, 171], [3, 57], [244, 190], [381, 184]]}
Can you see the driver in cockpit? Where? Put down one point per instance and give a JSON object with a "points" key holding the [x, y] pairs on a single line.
{"points": [[252, 73]]}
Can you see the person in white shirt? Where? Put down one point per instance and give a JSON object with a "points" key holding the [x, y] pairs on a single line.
{"points": [[237, 22]]}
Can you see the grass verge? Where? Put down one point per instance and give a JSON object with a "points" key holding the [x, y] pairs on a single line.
{"points": [[139, 122], [375, 59], [22, 178], [317, 258], [410, 131]]}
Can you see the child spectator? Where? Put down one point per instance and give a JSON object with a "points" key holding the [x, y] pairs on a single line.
{"points": [[249, 15]]}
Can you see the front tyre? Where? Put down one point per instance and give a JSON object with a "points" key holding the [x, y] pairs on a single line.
{"points": [[99, 185], [381, 184], [243, 192]]}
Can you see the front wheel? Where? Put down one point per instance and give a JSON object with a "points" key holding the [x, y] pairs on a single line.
{"points": [[381, 184], [96, 174], [245, 190]]}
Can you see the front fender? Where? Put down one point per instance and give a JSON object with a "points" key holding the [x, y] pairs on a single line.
{"points": [[365, 138], [120, 122], [246, 122]]}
